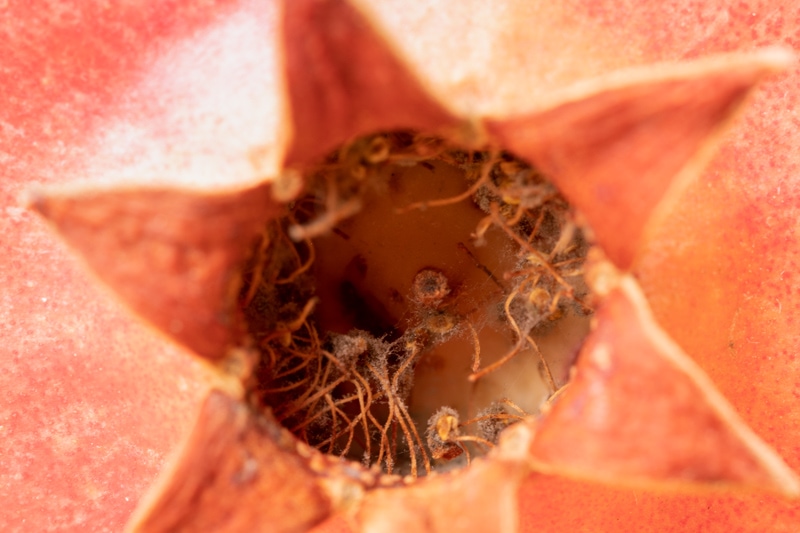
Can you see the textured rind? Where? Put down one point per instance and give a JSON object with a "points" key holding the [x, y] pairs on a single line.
{"points": [[720, 272], [755, 380], [92, 400]]}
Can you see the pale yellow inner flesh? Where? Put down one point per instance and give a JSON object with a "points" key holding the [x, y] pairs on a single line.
{"points": [[376, 255]]}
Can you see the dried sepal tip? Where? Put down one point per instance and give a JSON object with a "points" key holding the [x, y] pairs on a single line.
{"points": [[639, 411]]}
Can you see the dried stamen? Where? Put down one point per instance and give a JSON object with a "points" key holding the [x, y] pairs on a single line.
{"points": [[339, 354]]}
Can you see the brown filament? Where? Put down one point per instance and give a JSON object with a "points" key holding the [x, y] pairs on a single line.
{"points": [[550, 381], [482, 180]]}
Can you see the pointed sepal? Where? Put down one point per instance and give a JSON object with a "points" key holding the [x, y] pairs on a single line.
{"points": [[622, 148], [639, 411], [237, 471], [343, 79], [172, 256]]}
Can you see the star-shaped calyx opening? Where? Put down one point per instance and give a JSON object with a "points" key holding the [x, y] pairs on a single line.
{"points": [[411, 292]]}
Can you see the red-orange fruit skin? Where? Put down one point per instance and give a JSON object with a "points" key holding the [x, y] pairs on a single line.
{"points": [[93, 401]]}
